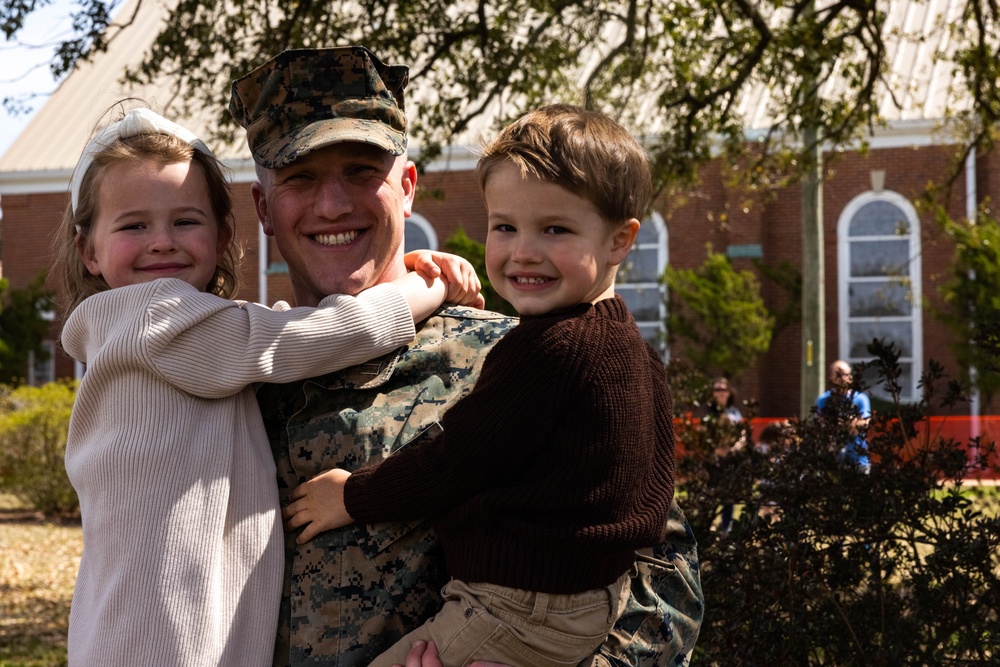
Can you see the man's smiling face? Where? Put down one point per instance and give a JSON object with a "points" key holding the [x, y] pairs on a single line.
{"points": [[338, 216]]}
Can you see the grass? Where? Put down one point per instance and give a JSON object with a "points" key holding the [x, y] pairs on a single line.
{"points": [[984, 497], [38, 564]]}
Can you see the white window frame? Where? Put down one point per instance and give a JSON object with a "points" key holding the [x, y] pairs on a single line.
{"points": [[36, 379], [844, 281], [661, 245]]}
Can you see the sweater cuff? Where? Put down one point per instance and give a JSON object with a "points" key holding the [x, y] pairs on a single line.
{"points": [[354, 496]]}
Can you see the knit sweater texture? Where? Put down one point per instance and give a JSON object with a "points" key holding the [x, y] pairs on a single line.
{"points": [[554, 469], [183, 548]]}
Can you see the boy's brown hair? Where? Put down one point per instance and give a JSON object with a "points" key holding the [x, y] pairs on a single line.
{"points": [[75, 281], [583, 151]]}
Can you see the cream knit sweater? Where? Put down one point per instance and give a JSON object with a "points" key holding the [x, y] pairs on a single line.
{"points": [[182, 561]]}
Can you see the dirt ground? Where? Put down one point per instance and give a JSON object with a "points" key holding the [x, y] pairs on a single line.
{"points": [[38, 564]]}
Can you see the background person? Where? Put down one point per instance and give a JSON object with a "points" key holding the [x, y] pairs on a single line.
{"points": [[726, 421], [843, 403], [722, 406]]}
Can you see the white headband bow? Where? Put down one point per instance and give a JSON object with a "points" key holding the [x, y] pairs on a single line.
{"points": [[137, 121]]}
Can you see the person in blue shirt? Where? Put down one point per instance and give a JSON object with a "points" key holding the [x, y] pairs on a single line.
{"points": [[843, 402]]}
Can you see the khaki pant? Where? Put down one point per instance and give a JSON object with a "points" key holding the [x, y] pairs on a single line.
{"points": [[515, 627]]}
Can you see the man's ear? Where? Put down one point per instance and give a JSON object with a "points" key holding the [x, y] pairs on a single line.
{"points": [[260, 205], [622, 240], [408, 182]]}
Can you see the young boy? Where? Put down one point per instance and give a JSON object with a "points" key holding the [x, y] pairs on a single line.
{"points": [[559, 464]]}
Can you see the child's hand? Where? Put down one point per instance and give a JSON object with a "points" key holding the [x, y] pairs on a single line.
{"points": [[459, 276], [318, 503]]}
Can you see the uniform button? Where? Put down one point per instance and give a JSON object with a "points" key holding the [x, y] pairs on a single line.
{"points": [[468, 613]]}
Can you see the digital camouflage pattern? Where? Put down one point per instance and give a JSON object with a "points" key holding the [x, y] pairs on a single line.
{"points": [[353, 592], [663, 616], [304, 99]]}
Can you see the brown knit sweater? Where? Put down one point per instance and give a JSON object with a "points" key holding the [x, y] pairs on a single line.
{"points": [[556, 467]]}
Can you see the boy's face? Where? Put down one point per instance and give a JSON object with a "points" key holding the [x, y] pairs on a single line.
{"points": [[548, 249]]}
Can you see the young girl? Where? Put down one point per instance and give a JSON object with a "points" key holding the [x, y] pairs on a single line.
{"points": [[182, 561]]}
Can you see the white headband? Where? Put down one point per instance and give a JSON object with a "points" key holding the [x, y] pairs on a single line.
{"points": [[137, 121]]}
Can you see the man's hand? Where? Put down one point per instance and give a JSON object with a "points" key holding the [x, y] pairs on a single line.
{"points": [[424, 654], [318, 503]]}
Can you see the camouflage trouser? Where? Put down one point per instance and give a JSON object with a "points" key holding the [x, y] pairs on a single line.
{"points": [[662, 618]]}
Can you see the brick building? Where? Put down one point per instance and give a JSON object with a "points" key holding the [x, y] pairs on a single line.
{"points": [[883, 257]]}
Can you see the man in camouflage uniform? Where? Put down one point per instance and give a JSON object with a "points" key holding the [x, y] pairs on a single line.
{"points": [[328, 133]]}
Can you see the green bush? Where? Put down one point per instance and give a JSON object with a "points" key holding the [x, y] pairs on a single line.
{"points": [[22, 328], [827, 565], [34, 422], [717, 318]]}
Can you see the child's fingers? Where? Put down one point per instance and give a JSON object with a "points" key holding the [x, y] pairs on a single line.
{"points": [[411, 258], [454, 268], [293, 508], [298, 492], [309, 532], [464, 295], [295, 517], [423, 262], [428, 269], [469, 275]]}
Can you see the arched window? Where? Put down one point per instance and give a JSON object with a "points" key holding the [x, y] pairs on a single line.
{"points": [[878, 269], [638, 280], [419, 234]]}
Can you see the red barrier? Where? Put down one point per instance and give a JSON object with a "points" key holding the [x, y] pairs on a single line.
{"points": [[961, 429]]}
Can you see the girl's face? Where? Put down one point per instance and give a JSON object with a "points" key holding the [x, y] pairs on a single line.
{"points": [[720, 392], [154, 221]]}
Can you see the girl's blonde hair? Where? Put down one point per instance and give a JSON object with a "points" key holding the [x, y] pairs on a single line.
{"points": [[74, 233]]}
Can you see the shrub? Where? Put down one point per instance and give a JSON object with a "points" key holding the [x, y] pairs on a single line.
{"points": [[34, 422], [22, 328], [717, 318], [828, 565]]}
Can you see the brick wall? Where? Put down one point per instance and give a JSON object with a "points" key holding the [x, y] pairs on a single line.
{"points": [[711, 214], [714, 214], [450, 200]]}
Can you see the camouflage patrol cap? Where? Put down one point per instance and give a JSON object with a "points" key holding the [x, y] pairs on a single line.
{"points": [[304, 99]]}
